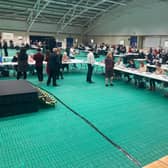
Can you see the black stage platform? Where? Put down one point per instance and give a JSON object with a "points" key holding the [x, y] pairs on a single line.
{"points": [[16, 97]]}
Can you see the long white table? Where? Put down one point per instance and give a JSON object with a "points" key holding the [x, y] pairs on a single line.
{"points": [[74, 61], [163, 66], [135, 54], [163, 78], [119, 55], [16, 63], [7, 59], [126, 54], [140, 59], [150, 75], [70, 61]]}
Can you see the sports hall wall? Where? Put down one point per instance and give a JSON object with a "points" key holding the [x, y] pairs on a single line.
{"points": [[18, 31], [146, 19]]}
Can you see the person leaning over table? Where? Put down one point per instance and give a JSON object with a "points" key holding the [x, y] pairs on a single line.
{"points": [[90, 62], [109, 69], [158, 71]]}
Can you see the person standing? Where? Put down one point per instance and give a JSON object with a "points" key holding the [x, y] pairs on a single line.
{"points": [[60, 70], [65, 58], [53, 67], [72, 55], [5, 47], [91, 61], [46, 59], [39, 58], [22, 64], [0, 47], [109, 69]]}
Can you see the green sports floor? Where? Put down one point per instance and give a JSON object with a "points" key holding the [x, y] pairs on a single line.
{"points": [[135, 119]]}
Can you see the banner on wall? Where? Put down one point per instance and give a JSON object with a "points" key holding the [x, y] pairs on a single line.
{"points": [[133, 41], [122, 42], [7, 36], [166, 43]]}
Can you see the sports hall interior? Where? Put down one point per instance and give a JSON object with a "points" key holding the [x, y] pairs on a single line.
{"points": [[90, 125]]}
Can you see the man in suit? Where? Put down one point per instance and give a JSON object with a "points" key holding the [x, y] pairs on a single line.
{"points": [[53, 67], [5, 47]]}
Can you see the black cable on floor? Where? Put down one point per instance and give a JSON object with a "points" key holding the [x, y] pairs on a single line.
{"points": [[129, 156]]}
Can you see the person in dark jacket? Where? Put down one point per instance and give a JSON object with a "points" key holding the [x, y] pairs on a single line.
{"points": [[109, 69], [22, 64], [53, 67], [39, 58], [47, 54], [60, 70], [5, 47]]}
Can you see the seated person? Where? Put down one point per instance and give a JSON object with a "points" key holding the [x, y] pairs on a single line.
{"points": [[158, 71], [131, 64], [150, 58], [142, 67], [15, 59], [165, 58], [119, 63], [139, 79], [141, 54]]}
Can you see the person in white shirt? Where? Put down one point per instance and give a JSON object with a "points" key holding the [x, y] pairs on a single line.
{"points": [[65, 58], [72, 55], [91, 61]]}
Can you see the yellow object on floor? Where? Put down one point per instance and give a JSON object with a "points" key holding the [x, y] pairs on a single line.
{"points": [[161, 163]]}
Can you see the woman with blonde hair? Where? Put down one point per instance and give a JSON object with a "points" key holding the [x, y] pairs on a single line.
{"points": [[109, 68]]}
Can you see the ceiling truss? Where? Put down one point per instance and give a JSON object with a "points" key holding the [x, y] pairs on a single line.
{"points": [[62, 13]]}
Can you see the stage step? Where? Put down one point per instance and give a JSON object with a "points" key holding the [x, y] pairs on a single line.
{"points": [[161, 163]]}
